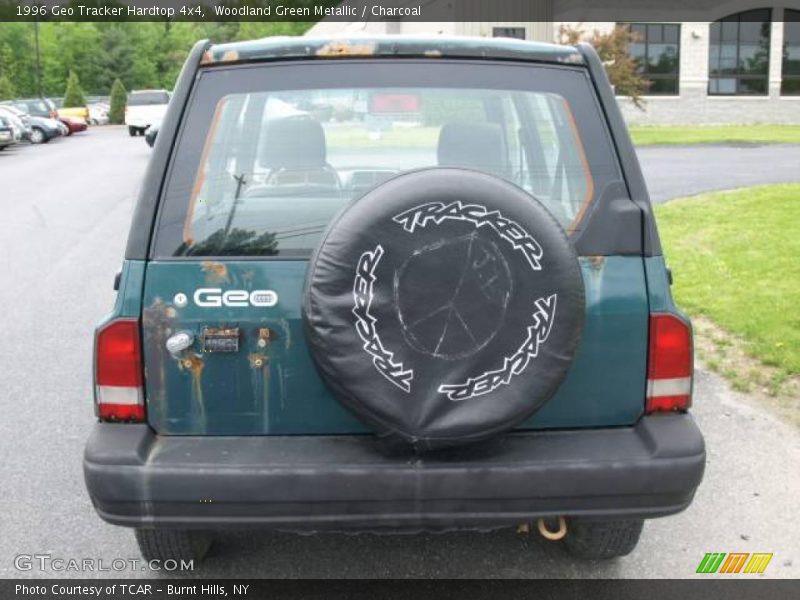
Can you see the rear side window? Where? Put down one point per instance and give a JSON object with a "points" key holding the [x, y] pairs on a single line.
{"points": [[147, 98], [273, 166]]}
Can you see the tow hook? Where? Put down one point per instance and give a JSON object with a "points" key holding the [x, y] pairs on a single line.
{"points": [[548, 534]]}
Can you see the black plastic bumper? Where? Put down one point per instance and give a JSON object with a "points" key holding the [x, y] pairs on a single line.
{"points": [[137, 478]]}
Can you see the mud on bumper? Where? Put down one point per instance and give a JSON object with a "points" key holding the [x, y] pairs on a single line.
{"points": [[137, 478]]}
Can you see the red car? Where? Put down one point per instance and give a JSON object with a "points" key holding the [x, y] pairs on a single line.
{"points": [[74, 125]]}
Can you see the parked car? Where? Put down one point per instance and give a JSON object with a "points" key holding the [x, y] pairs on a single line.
{"points": [[143, 108], [37, 130], [43, 130], [37, 107], [18, 121], [77, 113], [98, 113], [472, 330], [73, 125], [7, 135]]}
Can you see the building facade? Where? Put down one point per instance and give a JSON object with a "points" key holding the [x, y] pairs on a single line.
{"points": [[740, 67]]}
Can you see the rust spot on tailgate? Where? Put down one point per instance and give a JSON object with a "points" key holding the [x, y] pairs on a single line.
{"points": [[215, 272]]}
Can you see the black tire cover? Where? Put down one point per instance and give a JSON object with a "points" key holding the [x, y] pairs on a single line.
{"points": [[444, 306]]}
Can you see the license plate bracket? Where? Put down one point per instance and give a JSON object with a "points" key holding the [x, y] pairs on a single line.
{"points": [[220, 339]]}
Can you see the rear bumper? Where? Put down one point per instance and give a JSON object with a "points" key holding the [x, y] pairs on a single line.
{"points": [[136, 478], [139, 122]]}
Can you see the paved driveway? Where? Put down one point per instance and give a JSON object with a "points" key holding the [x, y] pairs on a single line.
{"points": [[675, 171], [64, 211]]}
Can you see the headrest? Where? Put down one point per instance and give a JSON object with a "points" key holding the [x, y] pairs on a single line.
{"points": [[472, 145], [293, 143]]}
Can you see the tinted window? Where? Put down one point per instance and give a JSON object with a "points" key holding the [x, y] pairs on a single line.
{"points": [[739, 54], [262, 171], [147, 98], [656, 50], [791, 52], [509, 32]]}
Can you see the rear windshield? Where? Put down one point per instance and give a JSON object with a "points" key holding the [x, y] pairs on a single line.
{"points": [[275, 165], [147, 98]]}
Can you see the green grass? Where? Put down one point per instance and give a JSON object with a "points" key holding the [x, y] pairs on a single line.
{"points": [[735, 257], [715, 134], [416, 137]]}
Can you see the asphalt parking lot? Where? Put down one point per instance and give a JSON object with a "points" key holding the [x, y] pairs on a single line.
{"points": [[65, 209], [675, 171]]}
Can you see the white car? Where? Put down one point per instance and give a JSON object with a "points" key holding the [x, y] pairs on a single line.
{"points": [[14, 118], [144, 108], [98, 113]]}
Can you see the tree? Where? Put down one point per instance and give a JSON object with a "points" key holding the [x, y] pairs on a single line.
{"points": [[119, 97], [622, 69], [73, 95], [7, 91], [141, 54]]}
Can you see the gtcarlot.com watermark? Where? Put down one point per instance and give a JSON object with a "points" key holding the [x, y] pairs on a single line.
{"points": [[48, 562]]}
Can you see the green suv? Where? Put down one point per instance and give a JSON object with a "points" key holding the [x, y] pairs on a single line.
{"points": [[393, 283]]}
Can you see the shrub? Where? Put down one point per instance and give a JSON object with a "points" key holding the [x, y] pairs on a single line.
{"points": [[73, 95], [119, 97]]}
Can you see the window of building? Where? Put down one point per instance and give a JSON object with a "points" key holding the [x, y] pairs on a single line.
{"points": [[657, 52], [791, 53], [738, 62], [509, 32]]}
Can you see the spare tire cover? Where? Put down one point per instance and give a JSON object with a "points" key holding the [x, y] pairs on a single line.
{"points": [[444, 306]]}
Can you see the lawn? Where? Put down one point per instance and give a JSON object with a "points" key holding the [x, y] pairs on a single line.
{"points": [[735, 257], [414, 137], [715, 134]]}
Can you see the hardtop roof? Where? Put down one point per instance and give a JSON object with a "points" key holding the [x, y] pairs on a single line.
{"points": [[387, 46]]}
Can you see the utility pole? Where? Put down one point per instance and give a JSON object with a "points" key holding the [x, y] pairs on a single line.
{"points": [[38, 58]]}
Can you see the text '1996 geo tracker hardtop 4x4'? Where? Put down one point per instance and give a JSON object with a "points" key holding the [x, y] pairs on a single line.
{"points": [[393, 283]]}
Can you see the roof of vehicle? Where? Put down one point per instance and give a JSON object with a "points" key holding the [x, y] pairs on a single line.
{"points": [[26, 100], [383, 46], [148, 92], [13, 109]]}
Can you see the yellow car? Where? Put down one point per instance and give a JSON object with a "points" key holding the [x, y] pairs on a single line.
{"points": [[78, 112]]}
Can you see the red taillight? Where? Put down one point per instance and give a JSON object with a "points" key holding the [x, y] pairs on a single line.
{"points": [[118, 372], [669, 365]]}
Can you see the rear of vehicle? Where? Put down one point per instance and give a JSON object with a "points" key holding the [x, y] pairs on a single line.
{"points": [[7, 137], [143, 108], [13, 121], [247, 376]]}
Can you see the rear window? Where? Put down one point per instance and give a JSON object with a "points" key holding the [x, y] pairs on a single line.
{"points": [[273, 166], [147, 98]]}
